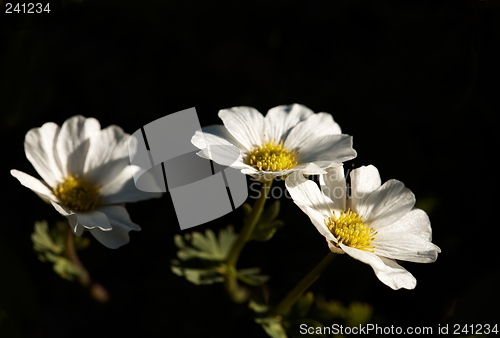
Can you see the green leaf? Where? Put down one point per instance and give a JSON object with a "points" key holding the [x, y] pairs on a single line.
{"points": [[205, 247], [270, 213], [304, 303], [50, 246], [66, 269], [247, 209], [197, 276], [265, 233], [258, 307], [251, 276], [202, 258], [272, 326], [42, 239], [267, 224], [358, 314]]}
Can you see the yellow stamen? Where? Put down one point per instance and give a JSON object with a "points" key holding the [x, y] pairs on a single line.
{"points": [[78, 194], [349, 230], [271, 157]]}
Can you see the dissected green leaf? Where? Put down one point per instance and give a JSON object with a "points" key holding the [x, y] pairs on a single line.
{"points": [[205, 247], [202, 258], [272, 326], [66, 269], [50, 246], [313, 313], [42, 240], [197, 276], [251, 276]]}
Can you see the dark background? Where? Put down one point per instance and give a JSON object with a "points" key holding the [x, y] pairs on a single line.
{"points": [[414, 82]]}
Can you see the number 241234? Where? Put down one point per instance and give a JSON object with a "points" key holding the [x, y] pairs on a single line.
{"points": [[29, 7]]}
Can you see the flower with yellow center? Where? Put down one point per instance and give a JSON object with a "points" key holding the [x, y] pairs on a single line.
{"points": [[86, 176], [376, 224], [288, 139]]}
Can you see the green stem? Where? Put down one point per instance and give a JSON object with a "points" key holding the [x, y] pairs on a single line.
{"points": [[246, 233], [300, 288], [97, 291]]}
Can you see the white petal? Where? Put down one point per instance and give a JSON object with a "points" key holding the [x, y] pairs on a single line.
{"points": [[245, 124], [309, 168], [333, 247], [387, 271], [364, 181], [309, 199], [107, 155], [333, 185], [306, 133], [215, 134], [122, 189], [328, 149], [121, 223], [408, 239], [73, 144], [280, 120], [71, 216], [77, 227], [406, 247], [227, 155], [386, 205], [415, 222], [94, 219], [34, 184], [39, 145]]}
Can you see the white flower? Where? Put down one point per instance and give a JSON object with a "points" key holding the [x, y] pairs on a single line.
{"points": [[376, 224], [86, 176], [290, 138]]}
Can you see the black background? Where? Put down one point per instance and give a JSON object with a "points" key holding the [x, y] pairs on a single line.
{"points": [[414, 82]]}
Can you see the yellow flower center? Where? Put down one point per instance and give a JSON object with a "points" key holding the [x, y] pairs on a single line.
{"points": [[349, 230], [272, 157], [78, 194]]}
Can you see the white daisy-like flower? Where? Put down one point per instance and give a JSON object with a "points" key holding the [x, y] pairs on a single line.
{"points": [[376, 224], [86, 176], [290, 138]]}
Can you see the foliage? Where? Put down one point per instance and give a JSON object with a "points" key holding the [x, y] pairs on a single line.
{"points": [[202, 256], [312, 312], [50, 246]]}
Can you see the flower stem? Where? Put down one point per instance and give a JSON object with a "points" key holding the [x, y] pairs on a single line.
{"points": [[97, 291], [246, 233], [300, 288]]}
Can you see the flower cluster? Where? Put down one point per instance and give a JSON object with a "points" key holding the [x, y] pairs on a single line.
{"points": [[376, 224], [87, 178]]}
